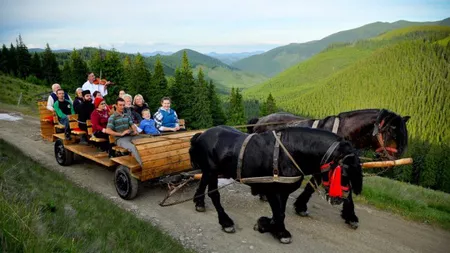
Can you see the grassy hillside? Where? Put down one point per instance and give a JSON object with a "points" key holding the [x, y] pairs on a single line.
{"points": [[281, 58], [12, 87], [407, 72]]}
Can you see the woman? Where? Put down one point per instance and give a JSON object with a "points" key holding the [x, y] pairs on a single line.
{"points": [[139, 104], [99, 120], [78, 98], [129, 109], [166, 118]]}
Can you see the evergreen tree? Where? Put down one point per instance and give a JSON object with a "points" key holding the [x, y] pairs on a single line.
{"points": [[4, 60], [218, 117], [159, 86], [127, 74], [97, 62], [140, 78], [236, 110], [23, 59], [12, 60], [50, 69], [182, 90], [36, 66], [113, 71], [66, 74], [269, 106], [201, 107], [79, 71]]}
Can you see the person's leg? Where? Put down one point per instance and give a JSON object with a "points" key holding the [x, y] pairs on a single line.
{"points": [[125, 142], [83, 137], [65, 122]]}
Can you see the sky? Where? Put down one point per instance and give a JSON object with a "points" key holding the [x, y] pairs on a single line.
{"points": [[230, 26]]}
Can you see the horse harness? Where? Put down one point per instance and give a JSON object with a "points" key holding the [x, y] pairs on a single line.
{"points": [[335, 124], [377, 131]]}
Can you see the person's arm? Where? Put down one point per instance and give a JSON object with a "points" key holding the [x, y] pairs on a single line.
{"points": [[71, 108], [158, 119], [176, 119], [110, 127], [58, 111], [50, 103]]}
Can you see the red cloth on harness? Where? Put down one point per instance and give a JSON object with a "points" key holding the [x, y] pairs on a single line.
{"points": [[335, 183]]}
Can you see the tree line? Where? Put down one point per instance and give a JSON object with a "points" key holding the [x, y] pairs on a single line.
{"points": [[194, 99]]}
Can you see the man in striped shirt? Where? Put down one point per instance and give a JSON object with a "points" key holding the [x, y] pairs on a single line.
{"points": [[122, 128]]}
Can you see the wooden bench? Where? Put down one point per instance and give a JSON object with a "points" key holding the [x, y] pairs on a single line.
{"points": [[91, 134]]}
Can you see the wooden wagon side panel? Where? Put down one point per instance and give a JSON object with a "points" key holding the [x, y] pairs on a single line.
{"points": [[164, 155], [46, 120]]}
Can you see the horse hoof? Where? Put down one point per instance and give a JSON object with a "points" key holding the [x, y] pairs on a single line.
{"points": [[353, 224], [263, 198], [303, 213], [229, 229], [200, 209], [256, 227], [286, 240]]}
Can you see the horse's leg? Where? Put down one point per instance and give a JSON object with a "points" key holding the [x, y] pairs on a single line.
{"points": [[199, 197], [300, 204], [348, 212], [276, 224], [224, 220]]}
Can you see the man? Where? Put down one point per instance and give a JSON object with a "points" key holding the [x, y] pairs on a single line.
{"points": [[89, 85], [63, 107], [119, 125], [84, 110], [52, 97]]}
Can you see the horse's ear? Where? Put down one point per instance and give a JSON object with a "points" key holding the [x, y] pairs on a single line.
{"points": [[406, 118]]}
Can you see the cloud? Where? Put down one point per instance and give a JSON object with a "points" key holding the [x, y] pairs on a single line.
{"points": [[138, 25]]}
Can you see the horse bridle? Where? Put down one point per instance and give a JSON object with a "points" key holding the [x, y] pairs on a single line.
{"points": [[377, 131]]}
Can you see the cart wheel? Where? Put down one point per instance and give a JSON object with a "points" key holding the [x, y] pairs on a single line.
{"points": [[63, 156], [126, 185]]}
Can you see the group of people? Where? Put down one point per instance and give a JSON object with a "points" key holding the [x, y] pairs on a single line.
{"points": [[126, 120]]}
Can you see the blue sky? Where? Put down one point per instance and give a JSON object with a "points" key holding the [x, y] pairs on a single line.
{"points": [[206, 26]]}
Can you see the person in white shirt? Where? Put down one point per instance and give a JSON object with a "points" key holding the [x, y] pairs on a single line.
{"points": [[89, 85], [52, 98]]}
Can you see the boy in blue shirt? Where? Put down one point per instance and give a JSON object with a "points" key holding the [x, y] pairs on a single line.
{"points": [[147, 124]]}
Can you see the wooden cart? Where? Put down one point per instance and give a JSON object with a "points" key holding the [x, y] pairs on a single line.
{"points": [[161, 155]]}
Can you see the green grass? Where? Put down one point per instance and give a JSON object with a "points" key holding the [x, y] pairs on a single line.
{"points": [[41, 211], [413, 29], [413, 202]]}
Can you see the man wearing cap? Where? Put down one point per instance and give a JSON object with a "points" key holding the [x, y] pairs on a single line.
{"points": [[89, 85], [84, 111]]}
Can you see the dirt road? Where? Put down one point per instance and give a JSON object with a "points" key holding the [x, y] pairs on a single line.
{"points": [[324, 231]]}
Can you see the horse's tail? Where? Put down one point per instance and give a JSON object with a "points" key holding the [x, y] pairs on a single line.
{"points": [[193, 153], [250, 129]]}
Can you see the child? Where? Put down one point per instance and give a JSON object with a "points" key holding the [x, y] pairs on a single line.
{"points": [[147, 124]]}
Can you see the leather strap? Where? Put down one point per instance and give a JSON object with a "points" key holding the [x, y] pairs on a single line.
{"points": [[316, 123], [276, 154], [336, 125], [241, 156]]}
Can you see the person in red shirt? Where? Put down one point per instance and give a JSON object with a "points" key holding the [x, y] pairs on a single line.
{"points": [[99, 120]]}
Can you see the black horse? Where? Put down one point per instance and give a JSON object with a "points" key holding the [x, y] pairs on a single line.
{"points": [[217, 151], [378, 129]]}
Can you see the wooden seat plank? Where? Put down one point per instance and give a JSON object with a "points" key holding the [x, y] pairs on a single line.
{"points": [[91, 153], [128, 161]]}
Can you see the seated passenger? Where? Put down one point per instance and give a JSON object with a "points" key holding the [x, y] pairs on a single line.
{"points": [[63, 108], [78, 98], [99, 120], [166, 118], [53, 97], [129, 109], [139, 104], [123, 129], [84, 110], [148, 125]]}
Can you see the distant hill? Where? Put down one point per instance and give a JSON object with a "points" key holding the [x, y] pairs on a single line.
{"points": [[157, 53], [40, 50], [404, 70], [233, 57], [278, 59], [223, 75]]}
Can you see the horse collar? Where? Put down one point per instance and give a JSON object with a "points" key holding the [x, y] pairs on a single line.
{"points": [[241, 156]]}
